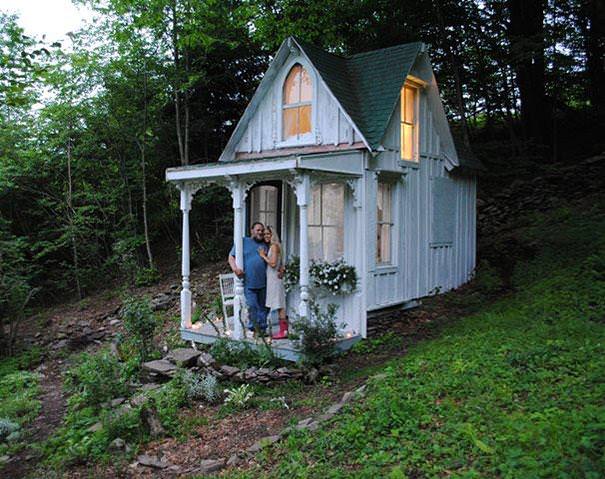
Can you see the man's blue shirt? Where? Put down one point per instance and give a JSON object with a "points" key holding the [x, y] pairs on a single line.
{"points": [[255, 268]]}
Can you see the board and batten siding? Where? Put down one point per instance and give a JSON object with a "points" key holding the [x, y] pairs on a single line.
{"points": [[329, 125], [420, 265]]}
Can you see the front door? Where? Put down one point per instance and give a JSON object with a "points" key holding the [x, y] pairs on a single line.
{"points": [[264, 205]]}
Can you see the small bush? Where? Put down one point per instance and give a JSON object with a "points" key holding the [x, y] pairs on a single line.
{"points": [[204, 387], [140, 324], [318, 333], [239, 397], [96, 379], [146, 277], [242, 355]]}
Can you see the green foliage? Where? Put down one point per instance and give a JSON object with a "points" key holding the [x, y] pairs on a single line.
{"points": [[238, 397], [242, 355], [147, 277], [387, 341], [204, 387], [515, 390], [95, 379], [140, 325], [487, 279], [318, 333]]}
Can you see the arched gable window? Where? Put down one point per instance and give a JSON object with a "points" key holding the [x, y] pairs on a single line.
{"points": [[296, 105]]}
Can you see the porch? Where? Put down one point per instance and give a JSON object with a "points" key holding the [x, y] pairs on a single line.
{"points": [[295, 179]]}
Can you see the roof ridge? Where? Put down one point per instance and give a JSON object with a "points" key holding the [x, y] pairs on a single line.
{"points": [[370, 52]]}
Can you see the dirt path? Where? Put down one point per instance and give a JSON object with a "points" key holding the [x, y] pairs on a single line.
{"points": [[53, 406]]}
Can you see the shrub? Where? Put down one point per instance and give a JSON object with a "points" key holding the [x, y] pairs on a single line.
{"points": [[96, 378], [201, 387], [317, 333], [146, 277], [242, 355], [140, 325]]}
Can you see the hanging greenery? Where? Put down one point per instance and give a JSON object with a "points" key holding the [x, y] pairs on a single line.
{"points": [[336, 277]]}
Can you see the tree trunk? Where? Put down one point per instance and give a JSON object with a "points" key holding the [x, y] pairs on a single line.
{"points": [[143, 169], [526, 35]]}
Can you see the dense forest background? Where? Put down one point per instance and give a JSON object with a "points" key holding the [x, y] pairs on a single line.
{"points": [[86, 132]]}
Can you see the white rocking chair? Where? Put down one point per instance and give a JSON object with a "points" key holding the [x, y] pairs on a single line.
{"points": [[227, 284]]}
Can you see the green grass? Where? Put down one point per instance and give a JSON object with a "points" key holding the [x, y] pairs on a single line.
{"points": [[19, 393], [517, 390]]}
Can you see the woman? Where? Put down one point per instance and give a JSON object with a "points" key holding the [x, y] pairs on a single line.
{"points": [[276, 294]]}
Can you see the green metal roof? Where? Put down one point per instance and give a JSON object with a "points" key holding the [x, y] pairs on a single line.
{"points": [[367, 85]]}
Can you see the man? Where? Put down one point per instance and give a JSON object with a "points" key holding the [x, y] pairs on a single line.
{"points": [[254, 275]]}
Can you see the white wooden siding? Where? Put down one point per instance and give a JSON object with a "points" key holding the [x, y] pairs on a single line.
{"points": [[329, 123], [421, 268]]}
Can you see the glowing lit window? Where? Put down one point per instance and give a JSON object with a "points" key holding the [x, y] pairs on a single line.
{"points": [[297, 98], [408, 123], [326, 221]]}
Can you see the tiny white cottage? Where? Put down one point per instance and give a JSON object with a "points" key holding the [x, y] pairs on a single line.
{"points": [[348, 158]]}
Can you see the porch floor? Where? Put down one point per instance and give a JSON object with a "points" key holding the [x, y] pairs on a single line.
{"points": [[282, 348]]}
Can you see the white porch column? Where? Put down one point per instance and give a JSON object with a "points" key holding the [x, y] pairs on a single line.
{"points": [[186, 197], [303, 187], [238, 192]]}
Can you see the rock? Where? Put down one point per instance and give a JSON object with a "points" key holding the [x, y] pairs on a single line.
{"points": [[346, 397], [161, 367], [117, 401], [152, 461], [60, 344], [95, 427], [234, 460], [118, 444], [150, 417], [335, 408], [114, 322], [311, 376], [205, 360], [229, 370], [208, 466], [4, 459], [184, 357], [161, 302]]}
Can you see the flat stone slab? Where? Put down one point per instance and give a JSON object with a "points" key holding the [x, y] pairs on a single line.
{"points": [[185, 357], [208, 466], [160, 366]]}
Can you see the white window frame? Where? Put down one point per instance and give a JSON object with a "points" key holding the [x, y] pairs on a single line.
{"points": [[321, 226], [415, 160], [391, 222], [307, 139]]}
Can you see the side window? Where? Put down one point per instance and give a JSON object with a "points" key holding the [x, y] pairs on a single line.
{"points": [[297, 103], [409, 147], [384, 223], [326, 222]]}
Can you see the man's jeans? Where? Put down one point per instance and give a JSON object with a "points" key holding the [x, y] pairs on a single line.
{"points": [[257, 311]]}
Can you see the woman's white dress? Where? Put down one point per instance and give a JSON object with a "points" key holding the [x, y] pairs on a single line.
{"points": [[276, 294]]}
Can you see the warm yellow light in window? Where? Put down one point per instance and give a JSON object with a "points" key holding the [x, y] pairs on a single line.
{"points": [[297, 98], [408, 123]]}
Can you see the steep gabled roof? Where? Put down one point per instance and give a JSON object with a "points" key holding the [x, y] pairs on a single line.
{"points": [[367, 85]]}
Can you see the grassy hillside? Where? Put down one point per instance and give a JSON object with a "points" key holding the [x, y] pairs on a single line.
{"points": [[517, 390]]}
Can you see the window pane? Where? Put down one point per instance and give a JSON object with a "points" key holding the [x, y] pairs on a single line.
{"points": [[386, 202], [409, 95], [290, 120], [332, 243], [292, 86], [315, 243], [407, 142], [333, 204], [306, 87], [314, 208], [304, 120], [383, 242]]}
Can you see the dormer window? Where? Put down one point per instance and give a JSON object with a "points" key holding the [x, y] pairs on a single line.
{"points": [[409, 142], [297, 104]]}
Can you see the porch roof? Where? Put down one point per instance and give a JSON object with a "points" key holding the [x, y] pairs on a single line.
{"points": [[348, 163]]}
